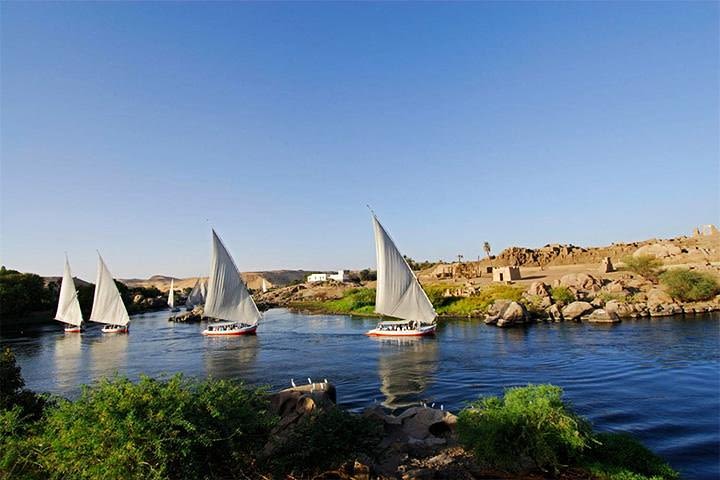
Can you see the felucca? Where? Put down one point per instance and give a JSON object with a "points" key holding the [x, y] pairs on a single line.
{"points": [[108, 307], [171, 297], [228, 298], [197, 295], [68, 310], [399, 294]]}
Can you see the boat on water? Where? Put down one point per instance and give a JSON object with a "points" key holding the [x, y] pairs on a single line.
{"points": [[197, 295], [68, 310], [398, 293], [171, 297], [108, 307], [264, 286], [228, 300]]}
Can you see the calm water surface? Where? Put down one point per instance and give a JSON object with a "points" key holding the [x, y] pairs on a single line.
{"points": [[658, 379]]}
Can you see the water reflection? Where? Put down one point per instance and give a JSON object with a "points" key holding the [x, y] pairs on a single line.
{"points": [[230, 357], [68, 360], [406, 367], [108, 354]]}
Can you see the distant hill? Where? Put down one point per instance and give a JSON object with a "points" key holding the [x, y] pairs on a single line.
{"points": [[274, 278], [79, 282]]}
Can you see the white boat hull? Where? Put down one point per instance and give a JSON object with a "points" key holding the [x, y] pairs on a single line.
{"points": [[116, 329], [250, 330], [73, 329], [414, 332]]}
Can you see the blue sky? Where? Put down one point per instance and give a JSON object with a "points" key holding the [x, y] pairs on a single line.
{"points": [[133, 127]]}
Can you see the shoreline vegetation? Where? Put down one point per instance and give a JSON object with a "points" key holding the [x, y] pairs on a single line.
{"points": [[180, 427]]}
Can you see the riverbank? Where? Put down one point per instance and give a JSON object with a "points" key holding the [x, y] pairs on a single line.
{"points": [[183, 428]]}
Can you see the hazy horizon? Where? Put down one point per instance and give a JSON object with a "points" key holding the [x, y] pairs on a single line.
{"points": [[132, 127]]}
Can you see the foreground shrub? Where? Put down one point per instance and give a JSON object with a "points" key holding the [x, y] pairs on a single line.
{"points": [[646, 266], [155, 429], [528, 426], [689, 286], [355, 300], [616, 456], [12, 391], [325, 440], [562, 295]]}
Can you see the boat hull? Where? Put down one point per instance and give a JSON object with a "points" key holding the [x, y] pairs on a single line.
{"points": [[415, 332], [251, 330], [74, 329], [115, 329]]}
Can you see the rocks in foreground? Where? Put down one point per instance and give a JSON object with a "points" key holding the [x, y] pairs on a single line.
{"points": [[506, 313]]}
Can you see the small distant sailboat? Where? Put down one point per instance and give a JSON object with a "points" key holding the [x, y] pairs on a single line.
{"points": [[264, 286], [228, 298], [197, 295], [398, 293], [108, 307], [171, 297], [68, 310]]}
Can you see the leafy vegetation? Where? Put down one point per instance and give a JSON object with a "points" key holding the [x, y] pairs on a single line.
{"points": [[647, 266], [562, 295], [529, 423], [478, 303], [689, 286], [618, 456], [531, 427], [417, 266], [22, 292], [324, 440]]}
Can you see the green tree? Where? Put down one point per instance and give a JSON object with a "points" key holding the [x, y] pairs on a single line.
{"points": [[486, 248], [689, 286], [21, 293], [647, 266]]}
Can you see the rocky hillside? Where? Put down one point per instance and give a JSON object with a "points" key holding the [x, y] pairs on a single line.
{"points": [[252, 279]]}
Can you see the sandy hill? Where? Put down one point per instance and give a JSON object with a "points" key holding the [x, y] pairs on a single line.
{"points": [[252, 279]]}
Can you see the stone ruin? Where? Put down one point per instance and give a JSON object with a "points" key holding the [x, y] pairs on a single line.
{"points": [[606, 266]]}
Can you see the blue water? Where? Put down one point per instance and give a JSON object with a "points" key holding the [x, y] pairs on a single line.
{"points": [[658, 379]]}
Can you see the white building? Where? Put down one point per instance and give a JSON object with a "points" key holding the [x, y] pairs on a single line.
{"points": [[317, 277], [341, 276]]}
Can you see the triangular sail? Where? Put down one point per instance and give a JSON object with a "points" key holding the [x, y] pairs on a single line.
{"points": [[68, 310], [264, 286], [171, 294], [197, 294], [108, 306], [399, 293], [227, 295]]}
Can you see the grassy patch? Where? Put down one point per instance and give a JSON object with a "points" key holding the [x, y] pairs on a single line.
{"points": [[647, 266], [562, 295], [689, 286], [617, 456]]}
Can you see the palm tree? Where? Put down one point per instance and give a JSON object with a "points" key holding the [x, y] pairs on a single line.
{"points": [[486, 247]]}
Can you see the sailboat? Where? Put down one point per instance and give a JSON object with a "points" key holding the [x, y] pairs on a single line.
{"points": [[197, 295], [228, 298], [68, 310], [264, 286], [108, 307], [399, 294], [171, 297]]}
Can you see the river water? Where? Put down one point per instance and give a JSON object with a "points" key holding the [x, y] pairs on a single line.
{"points": [[658, 379]]}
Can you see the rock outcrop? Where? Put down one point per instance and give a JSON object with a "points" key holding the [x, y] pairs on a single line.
{"points": [[575, 310], [506, 313], [602, 316], [658, 250]]}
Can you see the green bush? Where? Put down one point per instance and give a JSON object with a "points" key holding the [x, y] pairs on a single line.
{"points": [[528, 425], [12, 391], [562, 295], [21, 293], [475, 304], [325, 440], [355, 300], [155, 429], [617, 456], [647, 266], [689, 286]]}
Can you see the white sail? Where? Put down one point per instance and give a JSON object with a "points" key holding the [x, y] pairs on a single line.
{"points": [[108, 306], [68, 310], [227, 295], [399, 293], [264, 286], [171, 294], [197, 294]]}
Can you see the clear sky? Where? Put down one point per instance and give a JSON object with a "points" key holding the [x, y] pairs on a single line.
{"points": [[132, 127]]}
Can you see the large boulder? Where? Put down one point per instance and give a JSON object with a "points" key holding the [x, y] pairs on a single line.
{"points": [[540, 289], [506, 313], [656, 297], [602, 316], [621, 309], [581, 282], [576, 310], [658, 250], [555, 314]]}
